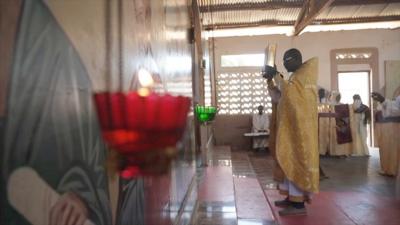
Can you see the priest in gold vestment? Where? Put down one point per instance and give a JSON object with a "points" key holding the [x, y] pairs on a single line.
{"points": [[296, 143]]}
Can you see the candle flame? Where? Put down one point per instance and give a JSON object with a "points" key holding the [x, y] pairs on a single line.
{"points": [[143, 92], [146, 81], [145, 78]]}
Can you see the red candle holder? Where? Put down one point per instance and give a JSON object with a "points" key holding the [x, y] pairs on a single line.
{"points": [[141, 128]]}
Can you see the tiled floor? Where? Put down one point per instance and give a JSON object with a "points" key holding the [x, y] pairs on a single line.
{"points": [[237, 188], [216, 192], [229, 192]]}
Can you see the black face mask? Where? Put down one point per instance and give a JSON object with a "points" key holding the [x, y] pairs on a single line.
{"points": [[292, 64], [292, 60], [321, 93]]}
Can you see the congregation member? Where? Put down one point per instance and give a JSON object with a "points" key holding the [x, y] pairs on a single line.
{"points": [[260, 123], [389, 108], [360, 117], [387, 127]]}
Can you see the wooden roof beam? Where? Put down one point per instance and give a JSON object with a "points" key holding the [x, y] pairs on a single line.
{"points": [[362, 2], [246, 25], [315, 22], [250, 6], [281, 4], [311, 9]]}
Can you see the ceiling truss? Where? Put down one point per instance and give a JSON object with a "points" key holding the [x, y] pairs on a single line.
{"points": [[282, 4], [310, 10], [291, 23], [298, 13]]}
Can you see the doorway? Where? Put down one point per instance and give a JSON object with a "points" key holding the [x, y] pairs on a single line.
{"points": [[356, 82]]}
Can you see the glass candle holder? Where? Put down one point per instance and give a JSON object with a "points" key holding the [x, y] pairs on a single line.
{"points": [[142, 129], [205, 114]]}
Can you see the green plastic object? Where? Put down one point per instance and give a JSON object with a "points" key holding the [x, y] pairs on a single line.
{"points": [[205, 113]]}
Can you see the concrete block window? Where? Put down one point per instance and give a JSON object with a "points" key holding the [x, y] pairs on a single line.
{"points": [[239, 85]]}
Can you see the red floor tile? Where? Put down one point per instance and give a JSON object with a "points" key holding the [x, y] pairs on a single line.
{"points": [[250, 200], [217, 185], [320, 212], [342, 208], [366, 208]]}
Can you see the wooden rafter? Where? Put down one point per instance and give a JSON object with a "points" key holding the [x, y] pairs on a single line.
{"points": [[271, 5], [310, 10], [244, 25], [314, 22], [362, 2], [250, 6]]}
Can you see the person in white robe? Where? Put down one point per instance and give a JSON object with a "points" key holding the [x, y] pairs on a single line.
{"points": [[390, 108], [359, 120], [336, 149], [260, 124]]}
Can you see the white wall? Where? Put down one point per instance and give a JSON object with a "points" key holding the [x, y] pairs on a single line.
{"points": [[319, 45]]}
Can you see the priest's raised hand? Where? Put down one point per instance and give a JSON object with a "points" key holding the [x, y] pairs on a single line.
{"points": [[269, 72]]}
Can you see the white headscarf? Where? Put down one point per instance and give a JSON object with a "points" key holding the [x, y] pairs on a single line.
{"points": [[397, 100], [332, 97], [357, 103]]}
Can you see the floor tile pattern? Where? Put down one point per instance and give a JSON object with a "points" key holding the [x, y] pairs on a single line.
{"points": [[237, 188]]}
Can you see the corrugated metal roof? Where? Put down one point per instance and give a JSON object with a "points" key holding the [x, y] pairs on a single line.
{"points": [[391, 10], [231, 13]]}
